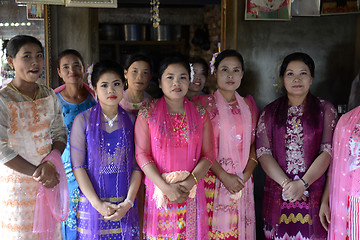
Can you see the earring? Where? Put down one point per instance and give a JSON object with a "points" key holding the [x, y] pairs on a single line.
{"points": [[126, 84]]}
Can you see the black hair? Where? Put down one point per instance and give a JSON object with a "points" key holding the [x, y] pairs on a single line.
{"points": [[298, 56], [138, 57], [70, 52], [202, 62], [104, 67], [176, 59], [15, 43], [228, 53]]}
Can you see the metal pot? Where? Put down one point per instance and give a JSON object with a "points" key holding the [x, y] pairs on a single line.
{"points": [[162, 33], [135, 32], [109, 32]]}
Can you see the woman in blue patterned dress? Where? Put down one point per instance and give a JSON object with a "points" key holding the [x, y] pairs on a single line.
{"points": [[75, 96]]}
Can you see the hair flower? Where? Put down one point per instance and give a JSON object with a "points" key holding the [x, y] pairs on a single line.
{"points": [[212, 63], [192, 73], [89, 71]]}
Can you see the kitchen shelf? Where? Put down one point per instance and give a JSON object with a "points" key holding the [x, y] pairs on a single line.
{"points": [[119, 50], [157, 43]]}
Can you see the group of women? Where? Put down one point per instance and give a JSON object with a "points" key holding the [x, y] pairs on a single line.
{"points": [[115, 164]]}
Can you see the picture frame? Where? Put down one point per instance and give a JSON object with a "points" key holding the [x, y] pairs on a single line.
{"points": [[91, 3], [49, 2], [329, 7], [305, 8], [35, 11], [268, 10]]}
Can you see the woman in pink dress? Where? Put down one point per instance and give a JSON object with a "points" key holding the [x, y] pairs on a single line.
{"points": [[173, 136], [229, 184], [137, 73], [344, 184], [198, 80]]}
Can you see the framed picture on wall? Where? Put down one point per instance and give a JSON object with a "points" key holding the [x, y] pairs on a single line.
{"points": [[339, 6], [91, 3], [305, 8], [35, 11], [50, 2], [268, 10]]}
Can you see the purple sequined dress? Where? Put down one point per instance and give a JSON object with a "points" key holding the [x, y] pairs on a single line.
{"points": [[106, 153], [302, 144]]}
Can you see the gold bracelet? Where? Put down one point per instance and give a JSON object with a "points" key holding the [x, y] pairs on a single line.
{"points": [[194, 177], [255, 160], [51, 164], [284, 182]]}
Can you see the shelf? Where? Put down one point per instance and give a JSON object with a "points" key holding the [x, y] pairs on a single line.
{"points": [[119, 50], [158, 43]]}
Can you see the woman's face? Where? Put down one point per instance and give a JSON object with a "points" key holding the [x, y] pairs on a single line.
{"points": [[28, 62], [229, 74], [175, 81], [199, 80], [71, 69], [297, 79], [138, 75], [109, 89]]}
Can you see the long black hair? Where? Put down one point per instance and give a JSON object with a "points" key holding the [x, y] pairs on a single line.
{"points": [[176, 59], [228, 53], [70, 52], [104, 67], [15, 43], [138, 57], [298, 56]]}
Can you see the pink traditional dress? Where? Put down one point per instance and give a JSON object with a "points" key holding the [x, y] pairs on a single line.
{"points": [[174, 142], [230, 216], [294, 136], [27, 128], [133, 107], [345, 179]]}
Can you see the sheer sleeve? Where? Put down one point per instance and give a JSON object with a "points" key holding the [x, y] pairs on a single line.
{"points": [[58, 128], [330, 119], [143, 152], [6, 153], [254, 115], [78, 141], [262, 140], [135, 166], [208, 144]]}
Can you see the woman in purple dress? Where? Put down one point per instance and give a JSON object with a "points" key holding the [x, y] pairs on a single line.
{"points": [[293, 144], [102, 151]]}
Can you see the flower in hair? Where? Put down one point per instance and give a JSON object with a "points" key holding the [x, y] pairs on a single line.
{"points": [[89, 71], [212, 62], [192, 73]]}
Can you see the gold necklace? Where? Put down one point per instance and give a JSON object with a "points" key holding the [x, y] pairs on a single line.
{"points": [[36, 113], [17, 90], [182, 120]]}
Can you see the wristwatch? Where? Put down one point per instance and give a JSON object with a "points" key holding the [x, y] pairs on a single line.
{"points": [[306, 185]]}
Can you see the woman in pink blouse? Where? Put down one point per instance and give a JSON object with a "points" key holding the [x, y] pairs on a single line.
{"points": [[229, 185], [344, 179], [173, 136]]}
